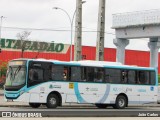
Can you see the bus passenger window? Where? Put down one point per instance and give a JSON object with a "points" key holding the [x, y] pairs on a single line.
{"points": [[143, 77], [146, 78], [107, 78], [113, 76], [57, 72], [152, 78], [36, 74], [75, 74], [83, 74], [124, 76], [131, 77], [31, 74], [65, 73], [90, 74], [99, 74]]}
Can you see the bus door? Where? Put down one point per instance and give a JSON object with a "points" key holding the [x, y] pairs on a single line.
{"points": [[38, 73], [70, 74]]}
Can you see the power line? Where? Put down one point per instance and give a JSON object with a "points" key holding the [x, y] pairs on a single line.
{"points": [[55, 30]]}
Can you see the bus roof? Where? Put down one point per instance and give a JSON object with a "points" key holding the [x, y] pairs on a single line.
{"points": [[89, 63]]}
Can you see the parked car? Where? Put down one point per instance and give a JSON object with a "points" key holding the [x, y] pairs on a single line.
{"points": [[158, 101]]}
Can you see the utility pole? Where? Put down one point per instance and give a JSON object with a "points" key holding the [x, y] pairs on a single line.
{"points": [[100, 33], [1, 19], [78, 32]]}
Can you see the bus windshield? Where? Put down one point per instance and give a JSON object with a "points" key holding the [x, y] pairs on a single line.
{"points": [[15, 76]]}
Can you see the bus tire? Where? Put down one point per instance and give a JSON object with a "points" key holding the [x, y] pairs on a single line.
{"points": [[35, 105], [121, 102], [52, 101], [101, 105]]}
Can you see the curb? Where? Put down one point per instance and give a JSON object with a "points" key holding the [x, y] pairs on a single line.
{"points": [[14, 106], [71, 106]]}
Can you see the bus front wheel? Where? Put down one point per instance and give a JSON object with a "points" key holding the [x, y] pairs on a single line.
{"points": [[52, 101], [35, 105], [121, 102], [101, 105]]}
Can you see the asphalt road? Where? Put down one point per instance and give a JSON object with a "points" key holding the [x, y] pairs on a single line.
{"points": [[83, 112]]}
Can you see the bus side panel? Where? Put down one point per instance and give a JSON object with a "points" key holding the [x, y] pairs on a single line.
{"points": [[41, 92], [132, 94], [24, 97], [34, 98], [92, 92], [140, 94], [148, 94]]}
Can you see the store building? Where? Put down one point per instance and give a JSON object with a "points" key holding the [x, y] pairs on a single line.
{"points": [[11, 49]]}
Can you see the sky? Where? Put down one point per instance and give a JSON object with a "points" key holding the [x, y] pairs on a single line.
{"points": [[47, 24]]}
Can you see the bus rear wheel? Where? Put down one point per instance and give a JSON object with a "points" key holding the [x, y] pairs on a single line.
{"points": [[121, 102], [101, 105], [35, 105], [52, 101]]}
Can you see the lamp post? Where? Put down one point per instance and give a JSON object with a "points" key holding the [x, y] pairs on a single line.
{"points": [[71, 24], [1, 30]]}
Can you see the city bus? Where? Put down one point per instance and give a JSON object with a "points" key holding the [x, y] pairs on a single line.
{"points": [[55, 83]]}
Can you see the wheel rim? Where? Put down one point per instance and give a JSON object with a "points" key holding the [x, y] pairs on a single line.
{"points": [[121, 102], [53, 101]]}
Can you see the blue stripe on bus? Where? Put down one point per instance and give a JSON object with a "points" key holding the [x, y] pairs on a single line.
{"points": [[77, 93], [105, 96]]}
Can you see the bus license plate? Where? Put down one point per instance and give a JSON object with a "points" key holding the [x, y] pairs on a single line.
{"points": [[9, 100]]}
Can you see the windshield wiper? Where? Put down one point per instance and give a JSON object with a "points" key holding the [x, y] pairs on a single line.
{"points": [[10, 70], [17, 70]]}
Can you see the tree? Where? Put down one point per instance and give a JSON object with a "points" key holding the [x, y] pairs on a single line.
{"points": [[3, 70], [23, 36]]}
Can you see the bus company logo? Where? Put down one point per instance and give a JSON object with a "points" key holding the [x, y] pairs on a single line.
{"points": [[87, 89], [91, 89], [54, 86], [94, 89], [141, 90], [51, 86], [117, 89], [152, 88], [128, 89]]}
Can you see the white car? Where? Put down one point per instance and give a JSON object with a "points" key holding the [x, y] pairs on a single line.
{"points": [[158, 101]]}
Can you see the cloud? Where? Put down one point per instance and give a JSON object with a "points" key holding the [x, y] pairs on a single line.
{"points": [[39, 14]]}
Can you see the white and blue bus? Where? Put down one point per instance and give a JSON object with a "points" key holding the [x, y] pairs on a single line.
{"points": [[55, 83]]}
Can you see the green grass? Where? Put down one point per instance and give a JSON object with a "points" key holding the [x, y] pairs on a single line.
{"points": [[159, 79]]}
